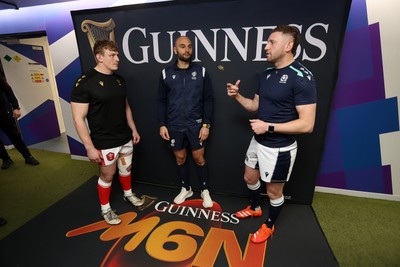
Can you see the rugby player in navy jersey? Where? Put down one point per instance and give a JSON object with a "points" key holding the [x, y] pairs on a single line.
{"points": [[285, 103]]}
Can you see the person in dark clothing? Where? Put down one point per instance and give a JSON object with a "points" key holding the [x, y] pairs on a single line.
{"points": [[9, 112], [184, 108]]}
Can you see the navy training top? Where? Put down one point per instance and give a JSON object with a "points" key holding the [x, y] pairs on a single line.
{"points": [[280, 91]]}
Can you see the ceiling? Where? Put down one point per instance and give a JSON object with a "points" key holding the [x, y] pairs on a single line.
{"points": [[16, 4]]}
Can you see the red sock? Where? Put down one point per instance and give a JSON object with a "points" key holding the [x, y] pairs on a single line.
{"points": [[104, 194], [125, 182]]}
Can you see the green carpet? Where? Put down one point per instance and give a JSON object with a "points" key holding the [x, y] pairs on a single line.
{"points": [[27, 190], [360, 231]]}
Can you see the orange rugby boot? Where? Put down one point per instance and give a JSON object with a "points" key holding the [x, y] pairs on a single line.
{"points": [[262, 234], [247, 212]]}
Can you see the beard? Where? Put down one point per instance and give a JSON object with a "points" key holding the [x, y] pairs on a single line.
{"points": [[185, 58]]}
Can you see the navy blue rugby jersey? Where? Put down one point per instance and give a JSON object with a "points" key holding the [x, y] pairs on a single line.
{"points": [[280, 91]]}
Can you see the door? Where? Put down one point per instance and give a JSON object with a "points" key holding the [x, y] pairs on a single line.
{"points": [[26, 72]]}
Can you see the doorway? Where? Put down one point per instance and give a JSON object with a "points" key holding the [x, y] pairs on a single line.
{"points": [[28, 69]]}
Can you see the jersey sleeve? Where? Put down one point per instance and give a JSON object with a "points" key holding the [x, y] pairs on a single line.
{"points": [[80, 91], [260, 76], [162, 100], [208, 99], [305, 90]]}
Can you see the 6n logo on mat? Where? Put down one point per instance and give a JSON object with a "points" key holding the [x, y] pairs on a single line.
{"points": [[149, 242]]}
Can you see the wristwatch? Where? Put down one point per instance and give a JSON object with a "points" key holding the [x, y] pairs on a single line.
{"points": [[271, 128], [207, 125]]}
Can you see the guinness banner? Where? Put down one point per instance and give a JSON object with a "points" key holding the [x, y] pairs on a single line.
{"points": [[228, 38]]}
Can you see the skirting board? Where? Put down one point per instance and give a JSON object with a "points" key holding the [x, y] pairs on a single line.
{"points": [[356, 193]]}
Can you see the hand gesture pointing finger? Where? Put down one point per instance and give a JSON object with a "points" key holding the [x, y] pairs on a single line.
{"points": [[233, 89]]}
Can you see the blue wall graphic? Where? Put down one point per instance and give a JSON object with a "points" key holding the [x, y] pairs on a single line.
{"points": [[360, 113]]}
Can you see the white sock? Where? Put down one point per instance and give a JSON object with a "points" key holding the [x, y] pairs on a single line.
{"points": [[127, 192], [105, 207]]}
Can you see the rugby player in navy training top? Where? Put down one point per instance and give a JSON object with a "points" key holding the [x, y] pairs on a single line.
{"points": [[285, 103], [184, 108]]}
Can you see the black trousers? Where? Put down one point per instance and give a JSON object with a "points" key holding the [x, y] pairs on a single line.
{"points": [[7, 125]]}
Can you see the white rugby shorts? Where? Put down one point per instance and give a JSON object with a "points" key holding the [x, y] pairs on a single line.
{"points": [[275, 164], [111, 155]]}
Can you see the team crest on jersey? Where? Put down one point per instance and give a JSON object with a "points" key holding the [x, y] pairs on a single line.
{"points": [[284, 78], [119, 82], [194, 75], [101, 83], [172, 142], [110, 156]]}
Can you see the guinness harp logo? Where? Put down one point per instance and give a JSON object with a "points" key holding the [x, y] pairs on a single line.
{"points": [[98, 30]]}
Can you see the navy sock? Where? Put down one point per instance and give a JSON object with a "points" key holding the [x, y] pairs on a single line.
{"points": [[202, 172], [275, 208], [255, 195], [183, 174]]}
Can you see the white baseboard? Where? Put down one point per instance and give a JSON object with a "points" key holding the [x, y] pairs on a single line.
{"points": [[79, 157], [356, 193]]}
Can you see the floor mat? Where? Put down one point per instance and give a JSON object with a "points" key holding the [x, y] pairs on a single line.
{"points": [[72, 233]]}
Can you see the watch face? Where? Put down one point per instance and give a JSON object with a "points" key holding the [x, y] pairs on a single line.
{"points": [[271, 128]]}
